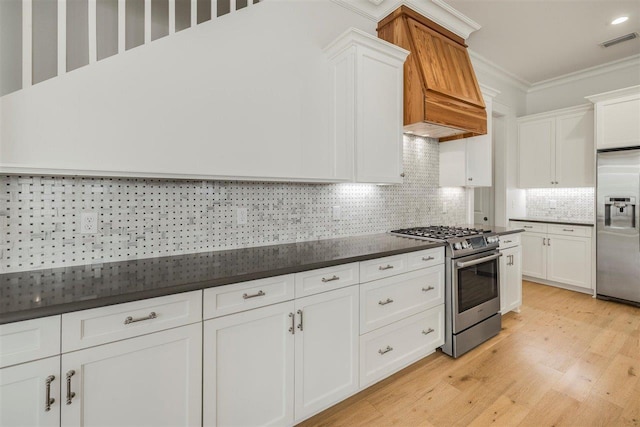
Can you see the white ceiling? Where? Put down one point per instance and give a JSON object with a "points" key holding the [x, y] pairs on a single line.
{"points": [[538, 40]]}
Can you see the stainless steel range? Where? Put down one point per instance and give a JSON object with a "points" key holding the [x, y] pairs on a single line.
{"points": [[472, 291]]}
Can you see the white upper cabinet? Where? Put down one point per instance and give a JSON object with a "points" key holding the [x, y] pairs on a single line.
{"points": [[556, 149], [366, 103], [617, 118], [468, 162]]}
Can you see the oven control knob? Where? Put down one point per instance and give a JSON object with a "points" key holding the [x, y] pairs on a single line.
{"points": [[457, 246], [465, 244]]}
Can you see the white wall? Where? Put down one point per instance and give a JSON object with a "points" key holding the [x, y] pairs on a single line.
{"points": [[570, 91], [216, 100]]}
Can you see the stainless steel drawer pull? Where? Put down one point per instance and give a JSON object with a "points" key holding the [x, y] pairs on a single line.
{"points": [[70, 394], [548, 241], [259, 294], [300, 326], [48, 400], [567, 229], [544, 241], [381, 268], [528, 226], [330, 279], [386, 350], [429, 258], [388, 301], [130, 319], [428, 288], [292, 329], [507, 241], [428, 331]]}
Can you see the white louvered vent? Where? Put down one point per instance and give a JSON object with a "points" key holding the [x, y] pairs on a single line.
{"points": [[41, 39]]}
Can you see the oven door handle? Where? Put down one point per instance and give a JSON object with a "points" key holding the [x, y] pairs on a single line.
{"points": [[478, 261]]}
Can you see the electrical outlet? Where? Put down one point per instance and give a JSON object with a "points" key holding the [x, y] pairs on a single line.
{"points": [[336, 213], [242, 216], [88, 222], [553, 204]]}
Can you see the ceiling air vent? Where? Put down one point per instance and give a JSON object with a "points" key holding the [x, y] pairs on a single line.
{"points": [[620, 39]]}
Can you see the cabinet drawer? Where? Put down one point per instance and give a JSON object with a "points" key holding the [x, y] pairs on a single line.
{"points": [[326, 279], [97, 326], [424, 259], [509, 241], [29, 340], [388, 300], [380, 268], [237, 297], [569, 230], [535, 227], [393, 347]]}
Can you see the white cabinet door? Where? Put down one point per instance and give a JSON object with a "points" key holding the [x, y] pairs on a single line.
{"points": [[453, 156], [151, 380], [248, 368], [536, 141], [379, 103], [511, 279], [534, 255], [617, 122], [574, 150], [326, 347], [23, 394], [569, 260], [479, 157]]}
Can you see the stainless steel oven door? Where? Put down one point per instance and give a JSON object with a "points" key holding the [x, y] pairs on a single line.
{"points": [[475, 290]]}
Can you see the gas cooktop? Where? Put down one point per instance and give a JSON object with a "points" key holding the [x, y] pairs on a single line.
{"points": [[442, 233]]}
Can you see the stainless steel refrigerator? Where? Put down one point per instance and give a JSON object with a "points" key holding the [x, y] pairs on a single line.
{"points": [[618, 218]]}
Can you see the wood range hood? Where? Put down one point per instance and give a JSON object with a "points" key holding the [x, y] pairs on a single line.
{"points": [[442, 98]]}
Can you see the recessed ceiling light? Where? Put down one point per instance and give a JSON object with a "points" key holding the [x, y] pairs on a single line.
{"points": [[619, 20]]}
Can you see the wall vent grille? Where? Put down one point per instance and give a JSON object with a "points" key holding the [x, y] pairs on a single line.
{"points": [[620, 39]]}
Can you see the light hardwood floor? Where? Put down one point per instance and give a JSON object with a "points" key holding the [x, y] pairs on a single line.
{"points": [[566, 360]]}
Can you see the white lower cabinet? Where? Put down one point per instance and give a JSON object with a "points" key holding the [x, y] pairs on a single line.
{"points": [[151, 380], [560, 254], [326, 342], [250, 359], [510, 279], [390, 348], [30, 394], [248, 368]]}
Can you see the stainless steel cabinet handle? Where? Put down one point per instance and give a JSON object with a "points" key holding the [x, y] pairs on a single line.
{"points": [[70, 394], [470, 179], [301, 320], [330, 279], [388, 301], [259, 294], [388, 266], [549, 241], [428, 331], [150, 316], [478, 261], [292, 329], [48, 400], [428, 288], [528, 226], [402, 175], [429, 258], [507, 241], [567, 229], [386, 350], [544, 241]]}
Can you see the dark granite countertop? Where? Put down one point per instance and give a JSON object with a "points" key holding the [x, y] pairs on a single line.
{"points": [[39, 293], [562, 221]]}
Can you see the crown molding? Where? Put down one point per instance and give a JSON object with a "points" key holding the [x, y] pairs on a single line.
{"points": [[436, 10], [632, 91], [488, 90], [630, 61], [483, 64]]}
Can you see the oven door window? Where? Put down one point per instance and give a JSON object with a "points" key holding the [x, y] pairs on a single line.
{"points": [[477, 284]]}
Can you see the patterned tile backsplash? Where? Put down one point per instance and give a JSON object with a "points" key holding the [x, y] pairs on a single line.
{"points": [[144, 218], [574, 203]]}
